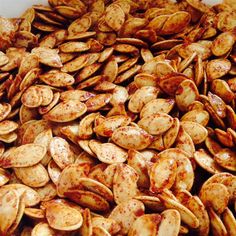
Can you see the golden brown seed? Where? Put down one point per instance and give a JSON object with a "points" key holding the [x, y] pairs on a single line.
{"points": [[9, 207], [223, 43], [217, 68], [162, 174], [63, 217], [226, 159], [126, 213], [156, 124], [115, 17], [88, 199], [57, 79], [131, 138], [196, 131], [185, 94], [48, 56], [66, 111], [108, 152], [145, 224], [170, 223], [118, 107], [24, 156], [204, 160], [208, 196], [32, 97]]}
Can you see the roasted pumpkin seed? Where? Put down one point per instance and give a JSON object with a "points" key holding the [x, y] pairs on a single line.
{"points": [[111, 115]]}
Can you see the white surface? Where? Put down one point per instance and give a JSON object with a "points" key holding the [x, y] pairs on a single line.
{"points": [[14, 8]]}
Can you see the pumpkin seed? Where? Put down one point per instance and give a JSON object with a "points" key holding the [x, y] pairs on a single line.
{"points": [[54, 171], [148, 223], [170, 223], [60, 152], [126, 213], [41, 229], [206, 162], [141, 97], [98, 101], [186, 215], [179, 19], [217, 68], [208, 193], [162, 174], [33, 129], [229, 221], [70, 218], [196, 131], [108, 152], [72, 172], [185, 94], [86, 228], [118, 107], [48, 56], [124, 191], [225, 158], [47, 192], [24, 156], [156, 124], [107, 127], [114, 17], [33, 176], [3, 59], [223, 43], [9, 207], [66, 111], [108, 224], [32, 97], [131, 138], [57, 78], [88, 199]]}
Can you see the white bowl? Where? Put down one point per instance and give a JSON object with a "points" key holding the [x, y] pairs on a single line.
{"points": [[14, 8]]}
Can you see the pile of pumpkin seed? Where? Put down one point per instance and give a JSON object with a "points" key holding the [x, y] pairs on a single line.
{"points": [[118, 118]]}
